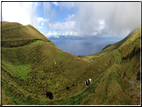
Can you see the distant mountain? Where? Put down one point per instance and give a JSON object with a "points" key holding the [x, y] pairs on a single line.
{"points": [[68, 37]]}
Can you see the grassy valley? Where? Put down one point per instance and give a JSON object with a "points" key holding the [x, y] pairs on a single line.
{"points": [[32, 64]]}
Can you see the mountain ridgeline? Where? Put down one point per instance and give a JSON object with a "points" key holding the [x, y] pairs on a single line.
{"points": [[32, 65]]}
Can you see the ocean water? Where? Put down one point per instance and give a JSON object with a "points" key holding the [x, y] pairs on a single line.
{"points": [[84, 46]]}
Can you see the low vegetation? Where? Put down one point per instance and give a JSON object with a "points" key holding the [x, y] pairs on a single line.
{"points": [[29, 71]]}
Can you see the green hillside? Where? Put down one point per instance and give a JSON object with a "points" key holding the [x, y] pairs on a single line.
{"points": [[29, 70]]}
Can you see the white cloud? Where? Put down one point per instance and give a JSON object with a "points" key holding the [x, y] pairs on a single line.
{"points": [[55, 3], [47, 8], [36, 4], [119, 17], [49, 12], [102, 22], [70, 17], [98, 18], [63, 26], [42, 24], [58, 33], [90, 18], [22, 12], [41, 19], [49, 33], [52, 34]]}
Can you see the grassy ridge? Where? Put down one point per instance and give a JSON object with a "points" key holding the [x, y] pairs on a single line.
{"points": [[13, 31], [29, 70]]}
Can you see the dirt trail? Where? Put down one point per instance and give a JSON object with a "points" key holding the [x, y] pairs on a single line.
{"points": [[17, 43]]}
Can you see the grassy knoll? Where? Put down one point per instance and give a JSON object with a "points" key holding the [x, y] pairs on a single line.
{"points": [[29, 70]]}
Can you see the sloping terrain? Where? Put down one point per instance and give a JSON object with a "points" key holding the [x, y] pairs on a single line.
{"points": [[32, 65]]}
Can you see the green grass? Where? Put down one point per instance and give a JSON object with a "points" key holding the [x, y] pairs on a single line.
{"points": [[16, 96], [76, 100], [25, 47], [118, 54], [22, 71], [109, 89]]}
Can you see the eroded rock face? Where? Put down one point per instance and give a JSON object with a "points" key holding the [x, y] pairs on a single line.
{"points": [[135, 88]]}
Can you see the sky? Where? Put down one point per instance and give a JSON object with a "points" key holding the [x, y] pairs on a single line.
{"points": [[80, 19]]}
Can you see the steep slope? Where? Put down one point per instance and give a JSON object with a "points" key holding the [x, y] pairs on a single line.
{"points": [[113, 64], [32, 65], [29, 69]]}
